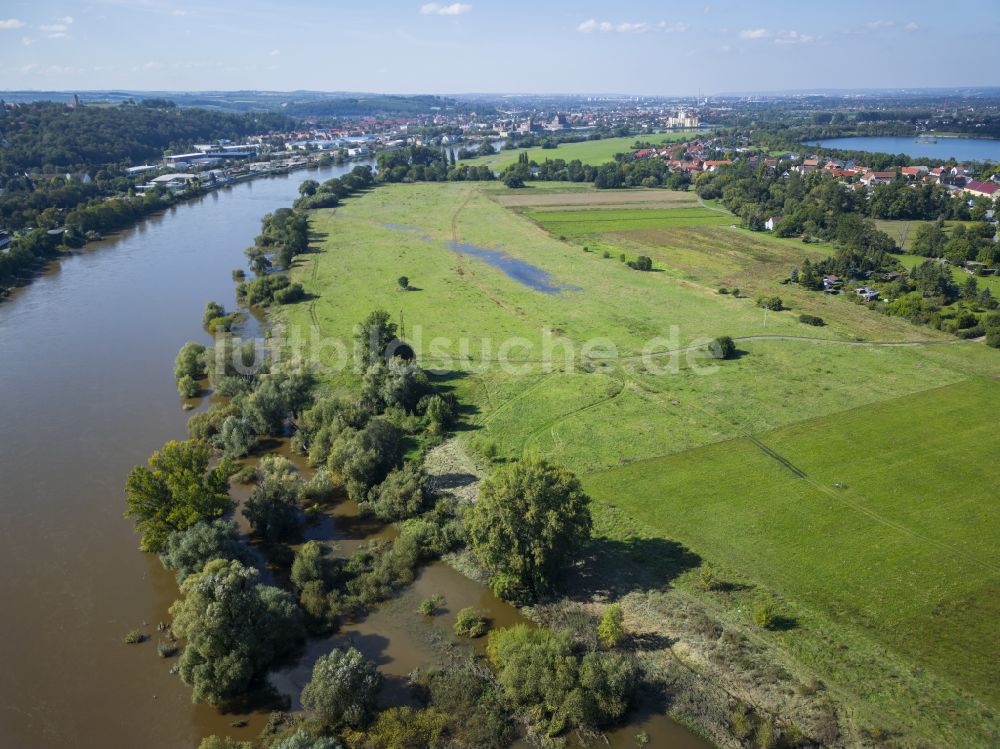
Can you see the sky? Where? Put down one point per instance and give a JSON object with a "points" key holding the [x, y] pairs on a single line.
{"points": [[638, 47]]}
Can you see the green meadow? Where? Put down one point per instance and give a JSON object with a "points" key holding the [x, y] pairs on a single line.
{"points": [[849, 479], [593, 152], [882, 521]]}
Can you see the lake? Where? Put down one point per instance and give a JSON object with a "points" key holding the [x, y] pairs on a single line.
{"points": [[961, 149]]}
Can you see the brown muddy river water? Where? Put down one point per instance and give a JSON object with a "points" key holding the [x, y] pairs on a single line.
{"points": [[86, 358]]}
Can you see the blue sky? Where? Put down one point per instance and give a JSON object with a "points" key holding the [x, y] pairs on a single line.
{"points": [[629, 46]]}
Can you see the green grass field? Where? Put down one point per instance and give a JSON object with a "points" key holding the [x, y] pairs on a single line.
{"points": [[593, 152], [904, 552], [890, 578], [902, 231], [579, 223]]}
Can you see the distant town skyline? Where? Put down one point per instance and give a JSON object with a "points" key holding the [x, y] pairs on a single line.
{"points": [[401, 46]]}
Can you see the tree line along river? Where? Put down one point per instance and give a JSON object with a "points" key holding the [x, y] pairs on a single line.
{"points": [[87, 353]]}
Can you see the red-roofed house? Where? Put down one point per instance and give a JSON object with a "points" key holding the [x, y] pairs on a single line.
{"points": [[984, 189]]}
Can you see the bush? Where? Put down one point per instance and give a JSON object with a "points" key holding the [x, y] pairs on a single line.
{"points": [[707, 579], [404, 282], [188, 387], [610, 630], [133, 637], [773, 303], [973, 332], [723, 290], [605, 254], [470, 623], [812, 320], [430, 606], [722, 347], [765, 615], [642, 262], [541, 674], [404, 727], [166, 649], [290, 294]]}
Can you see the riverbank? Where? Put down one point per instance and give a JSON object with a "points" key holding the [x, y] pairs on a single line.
{"points": [[88, 351], [64, 244]]}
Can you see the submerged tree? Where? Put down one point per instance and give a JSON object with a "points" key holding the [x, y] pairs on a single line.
{"points": [[234, 628], [176, 491], [344, 688]]}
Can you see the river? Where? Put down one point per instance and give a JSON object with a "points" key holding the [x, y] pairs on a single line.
{"points": [[960, 149], [87, 354]]}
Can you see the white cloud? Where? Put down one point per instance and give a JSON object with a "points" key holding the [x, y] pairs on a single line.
{"points": [[11, 23], [274, 52], [794, 37], [440, 9], [754, 34], [626, 27], [58, 30], [910, 27]]}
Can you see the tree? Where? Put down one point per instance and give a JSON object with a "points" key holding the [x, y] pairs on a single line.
{"points": [[404, 283], [363, 457], [213, 310], [343, 689], [237, 437], [188, 387], [401, 495], [308, 187], [310, 564], [190, 362], [234, 628], [373, 336], [610, 630], [530, 520], [928, 240], [722, 347], [187, 551], [273, 506], [176, 491]]}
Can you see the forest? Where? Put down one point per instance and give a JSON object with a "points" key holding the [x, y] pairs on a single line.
{"points": [[49, 137]]}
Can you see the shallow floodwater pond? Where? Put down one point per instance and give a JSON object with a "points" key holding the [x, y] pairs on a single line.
{"points": [[523, 272], [520, 270]]}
